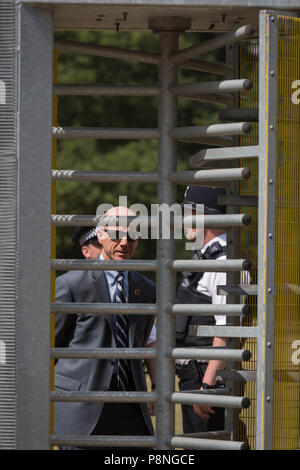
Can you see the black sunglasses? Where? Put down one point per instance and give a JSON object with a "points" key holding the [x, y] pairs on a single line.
{"points": [[117, 235]]}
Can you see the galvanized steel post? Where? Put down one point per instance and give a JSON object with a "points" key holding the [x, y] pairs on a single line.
{"points": [[167, 119], [266, 226], [35, 72]]}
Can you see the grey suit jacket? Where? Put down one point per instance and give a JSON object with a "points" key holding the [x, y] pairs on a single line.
{"points": [[95, 331]]}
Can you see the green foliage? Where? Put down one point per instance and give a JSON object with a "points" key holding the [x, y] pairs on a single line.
{"points": [[103, 155]]}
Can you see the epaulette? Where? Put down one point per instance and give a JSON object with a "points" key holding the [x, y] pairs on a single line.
{"points": [[215, 250]]}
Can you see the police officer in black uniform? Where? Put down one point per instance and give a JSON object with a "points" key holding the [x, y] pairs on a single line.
{"points": [[86, 238], [200, 288]]}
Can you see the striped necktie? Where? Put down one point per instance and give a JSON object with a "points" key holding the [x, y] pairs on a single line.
{"points": [[122, 340]]}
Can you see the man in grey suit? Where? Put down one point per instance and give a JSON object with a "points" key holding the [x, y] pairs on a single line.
{"points": [[99, 331]]}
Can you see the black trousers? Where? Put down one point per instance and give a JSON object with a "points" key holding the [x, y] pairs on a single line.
{"points": [[121, 418], [191, 422]]}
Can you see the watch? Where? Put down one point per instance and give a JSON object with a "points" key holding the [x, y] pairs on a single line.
{"points": [[205, 386]]}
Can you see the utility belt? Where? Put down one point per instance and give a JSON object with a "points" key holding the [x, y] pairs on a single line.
{"points": [[194, 370]]}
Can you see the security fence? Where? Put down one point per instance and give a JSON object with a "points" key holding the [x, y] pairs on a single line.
{"points": [[261, 176]]}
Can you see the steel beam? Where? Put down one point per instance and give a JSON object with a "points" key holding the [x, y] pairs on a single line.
{"points": [[225, 86], [103, 441], [35, 34], [207, 444], [266, 226], [213, 130], [241, 33], [104, 133], [102, 353], [214, 353], [196, 160]]}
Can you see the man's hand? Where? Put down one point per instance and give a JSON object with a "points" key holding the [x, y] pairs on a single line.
{"points": [[210, 379], [203, 411]]}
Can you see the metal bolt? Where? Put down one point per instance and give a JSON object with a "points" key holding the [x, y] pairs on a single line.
{"points": [[272, 18], [268, 399], [269, 290], [270, 181], [270, 235], [271, 127], [272, 73], [269, 344]]}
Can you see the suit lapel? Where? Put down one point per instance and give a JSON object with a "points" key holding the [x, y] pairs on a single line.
{"points": [[102, 291]]}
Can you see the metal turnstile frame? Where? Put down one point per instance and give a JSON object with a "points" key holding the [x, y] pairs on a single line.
{"points": [[34, 32]]}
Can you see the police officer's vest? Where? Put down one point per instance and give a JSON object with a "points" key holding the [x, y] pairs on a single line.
{"points": [[187, 294]]}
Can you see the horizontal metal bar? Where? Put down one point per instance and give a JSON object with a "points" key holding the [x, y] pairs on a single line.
{"points": [[218, 221], [198, 88], [225, 141], [100, 397], [206, 444], [189, 53], [219, 98], [250, 289], [103, 309], [214, 391], [101, 265], [230, 331], [104, 133], [210, 221], [210, 67], [102, 353], [232, 153], [137, 177], [211, 353], [237, 200], [108, 51], [237, 375], [65, 220], [105, 176], [207, 309], [213, 130], [211, 265], [102, 441], [228, 265], [209, 400], [105, 90], [239, 114], [139, 56], [207, 435], [208, 176]]}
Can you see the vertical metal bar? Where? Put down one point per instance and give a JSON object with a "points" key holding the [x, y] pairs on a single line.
{"points": [[34, 228], [8, 237], [232, 278], [53, 236], [266, 227], [165, 248], [166, 285]]}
